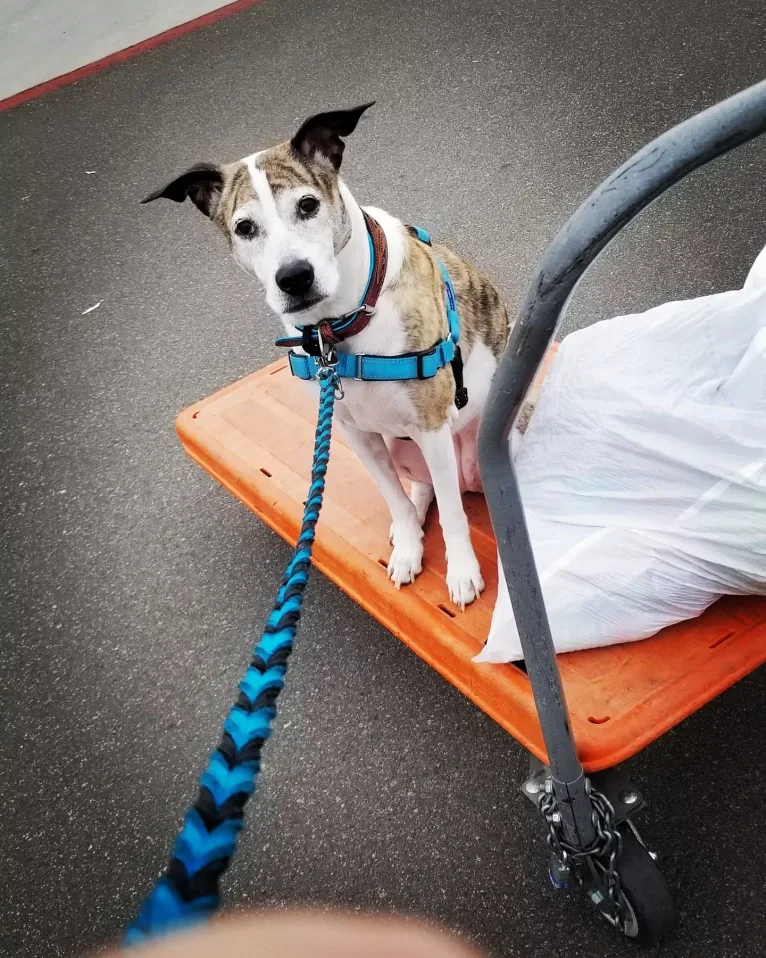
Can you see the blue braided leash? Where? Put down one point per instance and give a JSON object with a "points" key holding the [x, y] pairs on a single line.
{"points": [[187, 893]]}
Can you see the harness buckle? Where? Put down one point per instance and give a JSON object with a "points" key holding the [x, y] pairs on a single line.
{"points": [[419, 365], [358, 368]]}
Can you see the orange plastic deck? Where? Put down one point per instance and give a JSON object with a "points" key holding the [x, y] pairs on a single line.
{"points": [[256, 439]]}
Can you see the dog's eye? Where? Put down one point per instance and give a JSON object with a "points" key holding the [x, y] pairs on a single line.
{"points": [[308, 205], [246, 229]]}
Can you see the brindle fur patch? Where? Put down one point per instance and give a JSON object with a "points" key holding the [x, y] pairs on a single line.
{"points": [[483, 314], [237, 190], [284, 168], [419, 293]]}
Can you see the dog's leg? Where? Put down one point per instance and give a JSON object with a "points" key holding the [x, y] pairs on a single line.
{"points": [[464, 579], [409, 462], [406, 529], [422, 495]]}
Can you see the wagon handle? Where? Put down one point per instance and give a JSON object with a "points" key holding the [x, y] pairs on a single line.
{"points": [[623, 195]]}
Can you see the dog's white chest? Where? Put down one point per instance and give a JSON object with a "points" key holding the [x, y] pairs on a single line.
{"points": [[378, 407]]}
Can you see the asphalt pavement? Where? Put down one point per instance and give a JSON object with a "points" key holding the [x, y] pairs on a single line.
{"points": [[130, 583]]}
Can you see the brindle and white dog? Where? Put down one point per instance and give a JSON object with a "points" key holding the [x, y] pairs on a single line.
{"points": [[292, 222]]}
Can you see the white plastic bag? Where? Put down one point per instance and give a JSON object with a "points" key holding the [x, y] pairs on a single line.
{"points": [[643, 471]]}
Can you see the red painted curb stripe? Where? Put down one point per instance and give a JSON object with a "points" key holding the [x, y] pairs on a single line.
{"points": [[121, 55]]}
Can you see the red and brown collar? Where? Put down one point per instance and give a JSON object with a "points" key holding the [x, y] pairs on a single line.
{"points": [[334, 331]]}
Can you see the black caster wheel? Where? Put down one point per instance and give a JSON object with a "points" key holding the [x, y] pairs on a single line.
{"points": [[648, 914]]}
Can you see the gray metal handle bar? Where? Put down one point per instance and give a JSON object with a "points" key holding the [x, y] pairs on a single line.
{"points": [[611, 206]]}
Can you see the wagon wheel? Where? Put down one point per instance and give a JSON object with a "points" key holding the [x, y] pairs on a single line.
{"points": [[647, 914]]}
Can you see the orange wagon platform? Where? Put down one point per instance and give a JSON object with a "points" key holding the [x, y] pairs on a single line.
{"points": [[256, 438]]}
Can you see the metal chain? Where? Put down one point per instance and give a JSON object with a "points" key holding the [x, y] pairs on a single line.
{"points": [[602, 853]]}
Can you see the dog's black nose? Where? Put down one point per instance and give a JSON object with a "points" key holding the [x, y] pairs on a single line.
{"points": [[295, 278]]}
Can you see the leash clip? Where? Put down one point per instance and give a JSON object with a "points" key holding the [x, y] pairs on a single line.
{"points": [[328, 364], [328, 356]]}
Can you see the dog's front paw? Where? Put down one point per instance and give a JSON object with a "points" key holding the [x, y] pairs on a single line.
{"points": [[407, 558], [464, 579]]}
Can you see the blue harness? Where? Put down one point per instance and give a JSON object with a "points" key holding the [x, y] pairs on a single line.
{"points": [[370, 368]]}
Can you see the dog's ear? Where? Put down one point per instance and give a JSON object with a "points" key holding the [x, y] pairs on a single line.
{"points": [[202, 184], [319, 139]]}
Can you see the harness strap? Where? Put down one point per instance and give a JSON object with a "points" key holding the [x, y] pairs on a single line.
{"points": [[453, 319], [369, 368]]}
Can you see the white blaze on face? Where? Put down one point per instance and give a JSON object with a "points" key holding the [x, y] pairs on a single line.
{"points": [[283, 237]]}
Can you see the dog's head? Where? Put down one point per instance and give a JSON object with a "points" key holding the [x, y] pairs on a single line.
{"points": [[281, 210]]}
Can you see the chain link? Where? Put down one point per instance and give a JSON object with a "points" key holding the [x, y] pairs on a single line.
{"points": [[602, 853]]}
